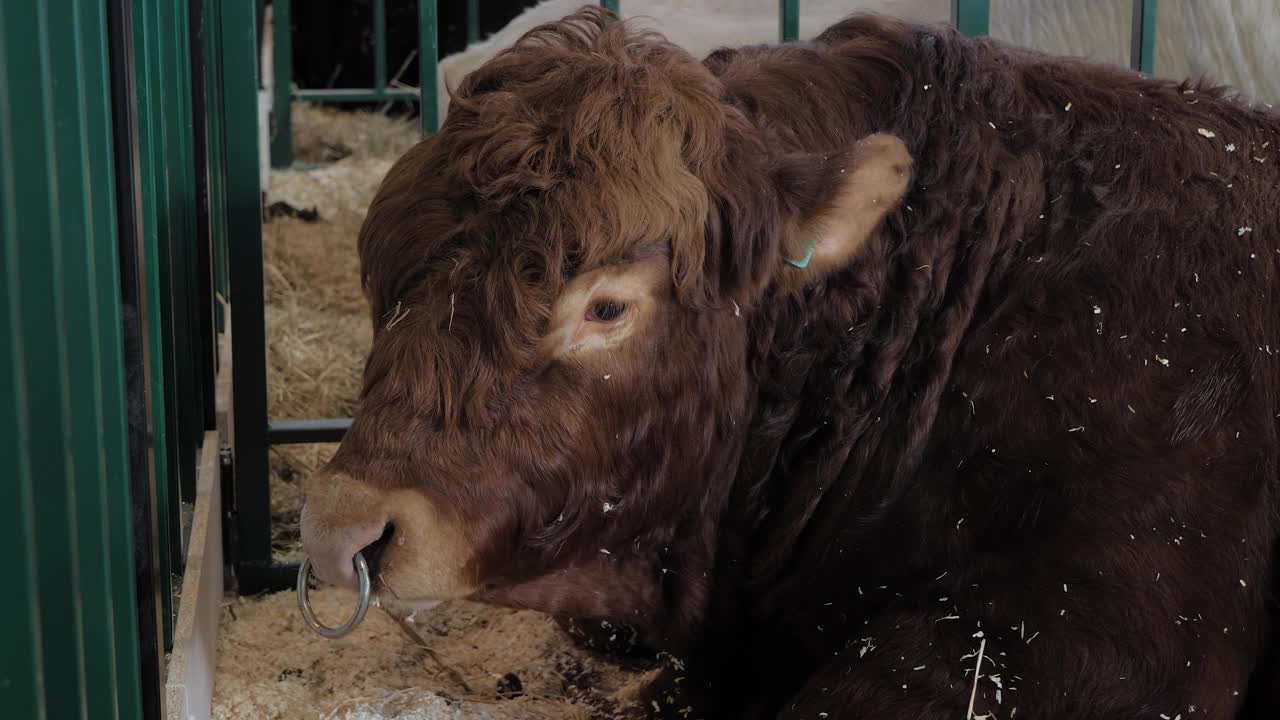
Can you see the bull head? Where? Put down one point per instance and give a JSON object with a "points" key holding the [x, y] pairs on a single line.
{"points": [[565, 283]]}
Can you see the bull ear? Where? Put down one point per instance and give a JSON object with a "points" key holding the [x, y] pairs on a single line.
{"points": [[833, 204]]}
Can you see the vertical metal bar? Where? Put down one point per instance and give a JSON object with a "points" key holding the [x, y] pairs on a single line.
{"points": [[252, 501], [282, 84], [131, 501], [972, 17], [473, 21], [610, 5], [189, 351], [789, 20], [217, 151], [74, 276], [150, 91], [173, 281], [160, 266], [22, 181], [91, 294], [21, 654], [202, 270], [1142, 45], [41, 343], [380, 45], [428, 61]]}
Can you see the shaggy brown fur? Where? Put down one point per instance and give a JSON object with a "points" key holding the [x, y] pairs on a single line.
{"points": [[1030, 430]]}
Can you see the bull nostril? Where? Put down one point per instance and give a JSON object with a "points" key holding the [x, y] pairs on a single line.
{"points": [[374, 551]]}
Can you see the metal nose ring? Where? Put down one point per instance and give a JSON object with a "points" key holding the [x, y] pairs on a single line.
{"points": [[333, 633]]}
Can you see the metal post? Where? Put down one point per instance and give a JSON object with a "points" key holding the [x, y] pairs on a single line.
{"points": [[252, 501], [428, 61], [154, 171], [133, 503], [473, 21], [205, 209], [789, 20], [379, 46], [212, 45], [173, 277], [281, 84], [185, 263], [41, 650], [972, 17], [1142, 47]]}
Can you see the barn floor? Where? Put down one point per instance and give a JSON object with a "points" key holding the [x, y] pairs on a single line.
{"points": [[452, 660]]}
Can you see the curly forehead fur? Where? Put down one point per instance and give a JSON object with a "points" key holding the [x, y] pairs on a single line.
{"points": [[585, 143]]}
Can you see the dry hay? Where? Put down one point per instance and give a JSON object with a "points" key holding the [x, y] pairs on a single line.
{"points": [[270, 666], [316, 319], [323, 134]]}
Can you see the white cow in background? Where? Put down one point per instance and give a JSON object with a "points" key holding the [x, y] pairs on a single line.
{"points": [[1230, 41]]}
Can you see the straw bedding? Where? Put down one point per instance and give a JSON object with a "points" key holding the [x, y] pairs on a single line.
{"points": [[270, 666]]}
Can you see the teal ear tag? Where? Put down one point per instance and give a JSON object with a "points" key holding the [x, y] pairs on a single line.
{"points": [[807, 257], [804, 263]]}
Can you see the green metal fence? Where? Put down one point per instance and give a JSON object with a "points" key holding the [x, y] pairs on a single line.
{"points": [[69, 637], [282, 65], [117, 195], [971, 17]]}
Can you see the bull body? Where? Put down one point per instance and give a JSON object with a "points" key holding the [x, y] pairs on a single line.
{"points": [[1005, 438]]}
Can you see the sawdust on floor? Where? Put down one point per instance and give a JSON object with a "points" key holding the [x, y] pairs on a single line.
{"points": [[271, 667]]}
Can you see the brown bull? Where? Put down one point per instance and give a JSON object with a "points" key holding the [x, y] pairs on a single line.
{"points": [[891, 375]]}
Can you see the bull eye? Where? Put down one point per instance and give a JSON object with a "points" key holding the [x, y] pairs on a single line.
{"points": [[605, 311]]}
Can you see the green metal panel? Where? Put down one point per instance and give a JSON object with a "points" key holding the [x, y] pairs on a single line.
{"points": [[217, 149], [91, 280], [136, 531], [972, 17], [203, 288], [182, 268], [428, 60], [1142, 48], [42, 345], [151, 96], [115, 460], [609, 5], [22, 659], [789, 20], [216, 152], [282, 84], [65, 650]]}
